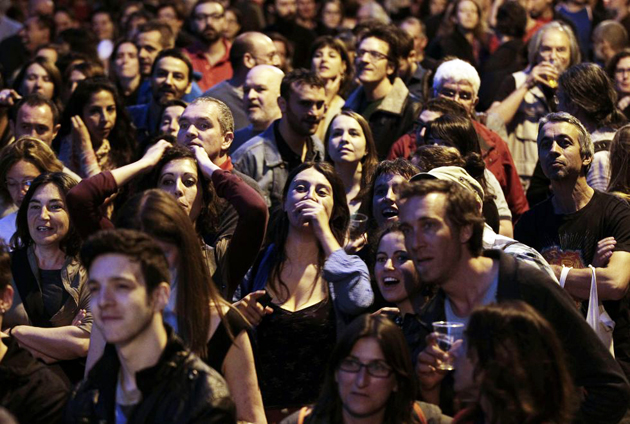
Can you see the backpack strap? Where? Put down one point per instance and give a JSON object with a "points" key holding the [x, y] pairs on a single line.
{"points": [[28, 287], [304, 412], [602, 145], [419, 413]]}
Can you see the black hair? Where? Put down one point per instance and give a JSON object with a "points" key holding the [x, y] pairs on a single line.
{"points": [[137, 246]]}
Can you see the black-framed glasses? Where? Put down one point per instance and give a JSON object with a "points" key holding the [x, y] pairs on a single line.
{"points": [[373, 55], [378, 369]]}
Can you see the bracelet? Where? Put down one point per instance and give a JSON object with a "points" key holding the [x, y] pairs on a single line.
{"points": [[10, 331], [563, 275]]}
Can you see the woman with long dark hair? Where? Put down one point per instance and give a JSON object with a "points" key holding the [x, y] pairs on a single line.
{"points": [[314, 288], [459, 132], [203, 191], [96, 133], [515, 368], [620, 163], [350, 147], [369, 377]]}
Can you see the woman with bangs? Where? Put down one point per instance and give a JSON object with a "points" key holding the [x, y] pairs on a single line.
{"points": [[303, 289], [330, 61]]}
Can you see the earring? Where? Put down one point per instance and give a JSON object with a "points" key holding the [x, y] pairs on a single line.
{"points": [[2, 311]]}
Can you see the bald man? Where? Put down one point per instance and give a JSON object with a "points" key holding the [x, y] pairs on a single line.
{"points": [[248, 50], [261, 91]]}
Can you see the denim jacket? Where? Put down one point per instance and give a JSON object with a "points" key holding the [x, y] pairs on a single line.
{"points": [[260, 159]]}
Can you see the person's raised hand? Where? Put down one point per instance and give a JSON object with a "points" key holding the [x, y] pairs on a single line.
{"points": [[253, 311], [204, 161], [314, 213], [154, 153], [429, 375], [544, 73], [80, 134], [9, 97]]}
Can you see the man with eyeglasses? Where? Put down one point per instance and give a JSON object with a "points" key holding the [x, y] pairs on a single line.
{"points": [[210, 54], [382, 99], [248, 50], [459, 81]]}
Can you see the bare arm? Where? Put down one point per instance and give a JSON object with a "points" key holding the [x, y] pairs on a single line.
{"points": [[612, 281], [506, 228], [240, 373], [58, 343]]}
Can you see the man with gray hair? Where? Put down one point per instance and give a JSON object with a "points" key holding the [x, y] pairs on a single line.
{"points": [[579, 226], [459, 81]]}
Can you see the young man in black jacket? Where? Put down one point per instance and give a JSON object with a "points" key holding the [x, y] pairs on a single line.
{"points": [[146, 375]]}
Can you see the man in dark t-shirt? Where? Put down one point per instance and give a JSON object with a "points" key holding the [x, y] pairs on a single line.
{"points": [[568, 227]]}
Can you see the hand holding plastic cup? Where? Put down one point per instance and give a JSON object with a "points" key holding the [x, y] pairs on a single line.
{"points": [[449, 337], [358, 225]]}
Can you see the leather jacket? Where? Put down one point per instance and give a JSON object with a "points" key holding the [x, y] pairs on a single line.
{"points": [[180, 388]]}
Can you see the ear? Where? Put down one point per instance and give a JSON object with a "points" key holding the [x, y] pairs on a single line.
{"points": [[160, 296], [228, 138], [390, 68], [465, 234], [412, 56], [6, 299], [189, 87], [249, 61], [423, 43], [56, 130], [587, 161], [475, 102], [282, 104]]}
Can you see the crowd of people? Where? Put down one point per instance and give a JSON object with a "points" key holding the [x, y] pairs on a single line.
{"points": [[222, 211]]}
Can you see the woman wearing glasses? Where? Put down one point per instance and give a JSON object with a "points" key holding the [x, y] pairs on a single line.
{"points": [[369, 377], [20, 163]]}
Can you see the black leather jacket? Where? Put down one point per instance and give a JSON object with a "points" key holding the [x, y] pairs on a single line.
{"points": [[180, 388]]}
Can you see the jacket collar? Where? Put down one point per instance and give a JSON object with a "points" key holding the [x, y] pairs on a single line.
{"points": [[394, 102], [271, 152]]}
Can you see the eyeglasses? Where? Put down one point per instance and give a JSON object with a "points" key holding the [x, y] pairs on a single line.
{"points": [[15, 185], [622, 71], [455, 95], [203, 17], [373, 56], [376, 369]]}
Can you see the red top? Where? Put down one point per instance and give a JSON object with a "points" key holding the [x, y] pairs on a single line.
{"points": [[497, 158], [210, 74]]}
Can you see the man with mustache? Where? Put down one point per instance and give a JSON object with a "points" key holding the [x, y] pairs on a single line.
{"points": [[210, 55], [171, 78], [270, 156], [382, 99]]}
